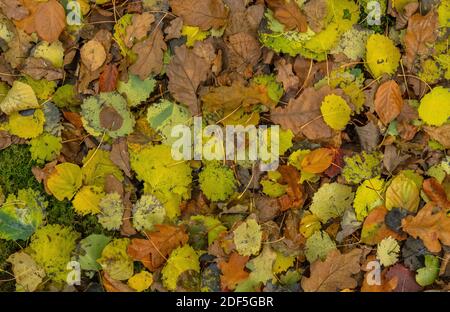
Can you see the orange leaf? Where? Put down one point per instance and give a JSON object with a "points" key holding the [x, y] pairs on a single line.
{"points": [[107, 81], [233, 271], [388, 101], [153, 252], [318, 160], [294, 197], [436, 193], [50, 20], [431, 225]]}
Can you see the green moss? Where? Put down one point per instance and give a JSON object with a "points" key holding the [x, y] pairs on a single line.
{"points": [[15, 168], [6, 249], [62, 212]]}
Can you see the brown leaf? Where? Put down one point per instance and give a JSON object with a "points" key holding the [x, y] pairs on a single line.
{"points": [[39, 68], [267, 208], [316, 12], [50, 20], [93, 54], [120, 156], [431, 225], [229, 98], [244, 51], [150, 55], [337, 164], [420, 34], [173, 31], [138, 29], [110, 118], [436, 193], [127, 228], [335, 273], [27, 23], [205, 14], [289, 14], [243, 19], [108, 78], [113, 185], [74, 119], [440, 134], [5, 139], [302, 115], [406, 281], [286, 76], [374, 228], [406, 130], [388, 101], [368, 136], [386, 285], [318, 160], [14, 9], [186, 71], [153, 252], [18, 49], [392, 158], [112, 285], [294, 197], [233, 271]]}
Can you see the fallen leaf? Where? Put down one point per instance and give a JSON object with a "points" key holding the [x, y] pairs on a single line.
{"points": [[244, 51], [108, 78], [120, 156], [14, 9], [286, 76], [150, 55], [369, 136], [388, 101], [289, 14], [440, 134], [93, 55], [39, 68], [335, 273], [233, 271], [186, 71], [153, 252], [112, 285], [127, 228], [205, 14], [431, 225], [436, 193], [302, 115], [139, 27], [50, 20], [316, 12], [420, 35], [406, 281], [294, 197], [318, 160]]}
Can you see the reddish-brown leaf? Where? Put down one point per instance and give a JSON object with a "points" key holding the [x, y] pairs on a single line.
{"points": [[153, 252], [436, 192], [289, 14], [294, 197], [388, 101], [233, 271], [108, 78]]}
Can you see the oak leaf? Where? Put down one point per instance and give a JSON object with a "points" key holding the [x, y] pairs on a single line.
{"points": [[244, 51], [186, 71], [302, 115], [289, 14], [233, 271], [14, 9], [138, 28], [335, 273], [388, 101], [286, 76], [150, 55], [431, 225], [420, 34], [205, 14], [436, 192], [153, 252]]}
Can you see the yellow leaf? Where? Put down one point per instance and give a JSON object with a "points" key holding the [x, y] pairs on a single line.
{"points": [[335, 111], [20, 97], [141, 281], [64, 181]]}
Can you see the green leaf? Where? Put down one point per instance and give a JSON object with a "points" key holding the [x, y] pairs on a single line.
{"points": [[331, 200], [247, 238], [91, 249], [318, 246], [136, 90], [427, 275]]}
